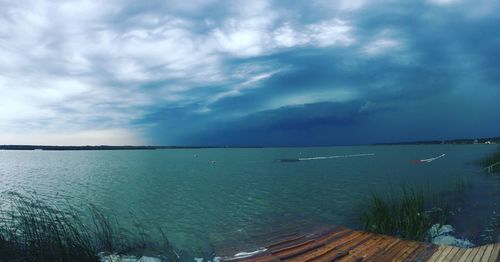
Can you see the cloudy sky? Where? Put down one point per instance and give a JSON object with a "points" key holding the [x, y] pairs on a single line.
{"points": [[206, 72]]}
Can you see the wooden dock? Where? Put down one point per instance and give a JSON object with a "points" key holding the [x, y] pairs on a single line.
{"points": [[342, 244]]}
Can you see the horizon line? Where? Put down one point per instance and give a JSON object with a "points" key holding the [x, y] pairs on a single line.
{"points": [[430, 141]]}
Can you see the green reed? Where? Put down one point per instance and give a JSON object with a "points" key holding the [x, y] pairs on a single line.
{"points": [[33, 230], [492, 159], [406, 214]]}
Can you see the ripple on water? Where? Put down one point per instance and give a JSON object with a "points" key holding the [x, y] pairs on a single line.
{"points": [[246, 195]]}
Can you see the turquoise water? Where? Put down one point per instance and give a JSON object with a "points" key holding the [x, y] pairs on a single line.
{"points": [[209, 199]]}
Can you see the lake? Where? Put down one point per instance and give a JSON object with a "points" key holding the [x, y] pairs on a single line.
{"points": [[208, 199]]}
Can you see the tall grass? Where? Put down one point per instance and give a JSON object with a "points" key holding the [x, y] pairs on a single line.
{"points": [[410, 212], [492, 159], [405, 214], [32, 230]]}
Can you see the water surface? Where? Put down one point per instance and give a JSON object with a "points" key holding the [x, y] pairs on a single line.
{"points": [[207, 199]]}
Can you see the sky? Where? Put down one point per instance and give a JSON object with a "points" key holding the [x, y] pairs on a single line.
{"points": [[248, 73]]}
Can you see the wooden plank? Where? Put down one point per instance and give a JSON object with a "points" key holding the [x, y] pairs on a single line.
{"points": [[267, 259], [459, 254], [446, 251], [358, 251], [479, 254], [301, 251], [419, 254], [487, 252], [435, 255], [441, 254], [452, 254], [372, 248], [330, 244], [396, 252], [364, 236], [472, 254], [349, 245], [336, 235], [309, 244], [316, 254], [341, 241], [387, 254], [427, 255], [367, 245], [311, 256], [286, 241], [332, 256], [406, 253], [381, 246], [494, 253], [386, 249], [291, 248], [360, 248], [262, 258], [465, 255], [344, 248], [345, 245], [292, 244], [316, 245], [403, 251]]}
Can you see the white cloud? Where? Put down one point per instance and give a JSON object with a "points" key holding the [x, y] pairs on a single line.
{"points": [[81, 65], [244, 38], [352, 4], [331, 32], [346, 6], [381, 45], [191, 6], [241, 42], [247, 32], [480, 8], [385, 41], [443, 2], [470, 9], [298, 99], [238, 89], [286, 36]]}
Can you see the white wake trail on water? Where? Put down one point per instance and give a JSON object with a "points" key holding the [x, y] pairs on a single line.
{"points": [[331, 157]]}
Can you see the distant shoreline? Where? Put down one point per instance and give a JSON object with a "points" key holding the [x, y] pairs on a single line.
{"points": [[88, 148], [464, 141], [468, 141]]}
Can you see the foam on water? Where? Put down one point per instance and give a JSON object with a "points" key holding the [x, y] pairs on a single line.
{"points": [[241, 255]]}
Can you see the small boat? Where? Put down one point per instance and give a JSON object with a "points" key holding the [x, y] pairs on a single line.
{"points": [[428, 160]]}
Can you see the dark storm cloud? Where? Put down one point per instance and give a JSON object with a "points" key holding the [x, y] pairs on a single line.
{"points": [[417, 64], [252, 72]]}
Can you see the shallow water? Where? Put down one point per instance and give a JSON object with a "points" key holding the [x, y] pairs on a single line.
{"points": [[246, 194]]}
